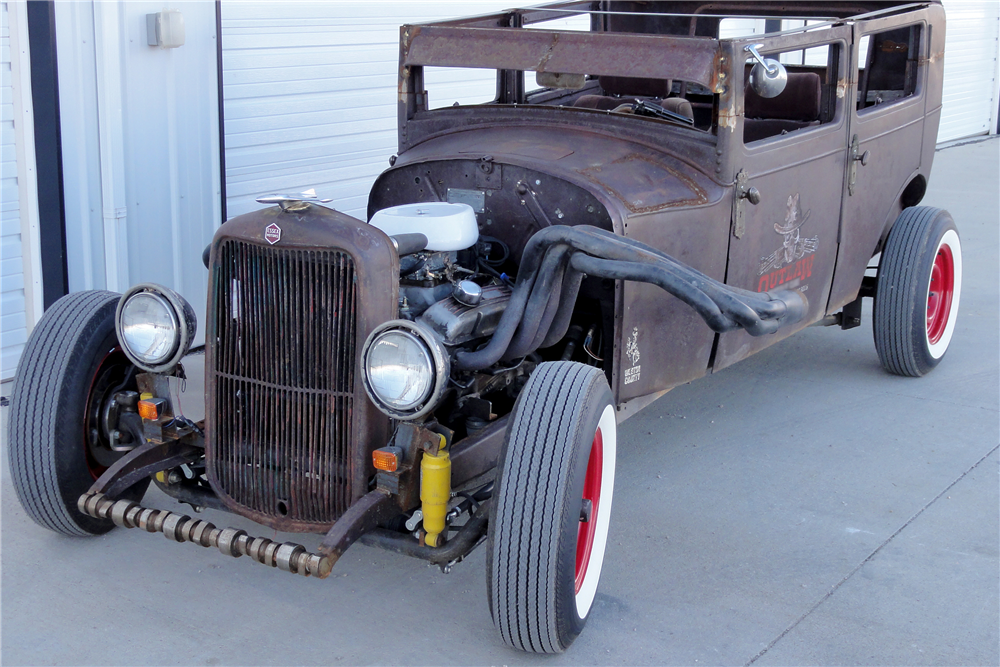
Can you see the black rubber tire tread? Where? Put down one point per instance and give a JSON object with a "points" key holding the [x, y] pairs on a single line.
{"points": [[45, 430], [903, 272], [529, 506]]}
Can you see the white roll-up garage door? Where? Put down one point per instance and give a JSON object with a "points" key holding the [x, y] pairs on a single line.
{"points": [[20, 274], [11, 273], [310, 95], [969, 104]]}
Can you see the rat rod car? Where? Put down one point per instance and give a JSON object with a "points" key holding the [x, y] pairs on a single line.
{"points": [[667, 199]]}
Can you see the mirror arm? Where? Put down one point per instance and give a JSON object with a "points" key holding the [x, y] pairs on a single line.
{"points": [[752, 50]]}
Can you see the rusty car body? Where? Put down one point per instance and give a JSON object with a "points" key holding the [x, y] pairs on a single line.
{"points": [[686, 183]]}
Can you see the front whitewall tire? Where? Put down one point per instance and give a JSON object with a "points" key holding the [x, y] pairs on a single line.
{"points": [[539, 594]]}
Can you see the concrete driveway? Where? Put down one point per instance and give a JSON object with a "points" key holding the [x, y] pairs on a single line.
{"points": [[802, 507]]}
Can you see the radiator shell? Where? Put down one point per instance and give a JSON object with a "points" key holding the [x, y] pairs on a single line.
{"points": [[292, 297]]}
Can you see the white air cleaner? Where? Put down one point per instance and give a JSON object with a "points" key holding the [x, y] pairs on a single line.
{"points": [[446, 226]]}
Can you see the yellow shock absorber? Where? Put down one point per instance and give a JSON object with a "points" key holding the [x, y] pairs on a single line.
{"points": [[435, 491]]}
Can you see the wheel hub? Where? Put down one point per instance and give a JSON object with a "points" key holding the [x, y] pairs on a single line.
{"points": [[114, 374], [940, 293], [588, 515]]}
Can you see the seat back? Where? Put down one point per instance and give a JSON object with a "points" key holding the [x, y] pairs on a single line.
{"points": [[630, 86], [799, 101]]}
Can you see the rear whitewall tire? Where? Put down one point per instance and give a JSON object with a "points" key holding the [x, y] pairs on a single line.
{"points": [[918, 291]]}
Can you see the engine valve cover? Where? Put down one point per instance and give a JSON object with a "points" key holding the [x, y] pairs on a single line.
{"points": [[457, 323]]}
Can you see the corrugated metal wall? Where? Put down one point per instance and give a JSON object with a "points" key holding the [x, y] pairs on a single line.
{"points": [[310, 94], [969, 103]]}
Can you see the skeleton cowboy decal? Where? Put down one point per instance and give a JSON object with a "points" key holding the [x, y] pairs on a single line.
{"points": [[793, 247]]}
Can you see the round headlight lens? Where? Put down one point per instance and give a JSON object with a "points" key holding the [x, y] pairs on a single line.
{"points": [[149, 328], [399, 369]]}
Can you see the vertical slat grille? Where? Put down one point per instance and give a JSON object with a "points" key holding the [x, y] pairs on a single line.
{"points": [[285, 325]]}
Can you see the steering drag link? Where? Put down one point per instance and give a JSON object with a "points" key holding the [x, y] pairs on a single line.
{"points": [[231, 541]]}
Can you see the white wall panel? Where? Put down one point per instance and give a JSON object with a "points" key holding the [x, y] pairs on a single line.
{"points": [[12, 320], [158, 110], [969, 103], [81, 156], [20, 286]]}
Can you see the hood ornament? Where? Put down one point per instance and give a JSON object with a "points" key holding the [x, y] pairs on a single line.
{"points": [[293, 202]]}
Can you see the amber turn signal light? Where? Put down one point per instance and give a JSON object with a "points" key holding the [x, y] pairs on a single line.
{"points": [[151, 408], [387, 458]]}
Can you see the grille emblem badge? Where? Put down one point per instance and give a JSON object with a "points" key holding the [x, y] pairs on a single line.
{"points": [[272, 233]]}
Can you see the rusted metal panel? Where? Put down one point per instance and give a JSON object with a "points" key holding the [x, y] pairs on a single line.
{"points": [[617, 172], [685, 58], [893, 137], [664, 342], [645, 184], [313, 459]]}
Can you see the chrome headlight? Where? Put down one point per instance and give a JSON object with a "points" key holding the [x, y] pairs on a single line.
{"points": [[405, 369], [155, 327]]}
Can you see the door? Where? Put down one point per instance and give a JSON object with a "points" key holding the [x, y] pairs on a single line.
{"points": [[895, 108], [794, 154]]}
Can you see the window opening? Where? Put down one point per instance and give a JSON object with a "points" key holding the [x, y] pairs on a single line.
{"points": [[459, 86], [888, 66], [808, 100]]}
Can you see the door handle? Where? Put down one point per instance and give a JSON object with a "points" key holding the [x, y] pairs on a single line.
{"points": [[856, 157]]}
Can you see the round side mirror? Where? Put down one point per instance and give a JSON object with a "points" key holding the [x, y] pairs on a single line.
{"points": [[769, 78]]}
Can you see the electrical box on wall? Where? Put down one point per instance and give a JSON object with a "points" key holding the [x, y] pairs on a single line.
{"points": [[165, 29]]}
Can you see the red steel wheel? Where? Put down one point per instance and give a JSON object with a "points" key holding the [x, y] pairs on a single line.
{"points": [[591, 509], [592, 534], [943, 292]]}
